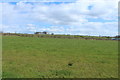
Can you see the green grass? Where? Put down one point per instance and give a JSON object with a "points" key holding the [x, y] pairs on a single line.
{"points": [[32, 57], [0, 56]]}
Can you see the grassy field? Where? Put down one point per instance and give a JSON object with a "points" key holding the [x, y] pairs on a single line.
{"points": [[32, 57]]}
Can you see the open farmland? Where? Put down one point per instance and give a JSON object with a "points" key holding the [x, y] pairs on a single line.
{"points": [[34, 57]]}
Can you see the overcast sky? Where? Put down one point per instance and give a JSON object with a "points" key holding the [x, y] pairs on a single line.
{"points": [[78, 17]]}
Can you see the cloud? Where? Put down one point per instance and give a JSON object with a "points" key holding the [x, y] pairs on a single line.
{"points": [[62, 14], [31, 28], [75, 13], [12, 28], [69, 17], [89, 28], [38, 0], [51, 29]]}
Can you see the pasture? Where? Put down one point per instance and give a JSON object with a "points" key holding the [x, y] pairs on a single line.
{"points": [[34, 57]]}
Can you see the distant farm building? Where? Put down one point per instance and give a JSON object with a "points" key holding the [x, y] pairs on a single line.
{"points": [[41, 32]]}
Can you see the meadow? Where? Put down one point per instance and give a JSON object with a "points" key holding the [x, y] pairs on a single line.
{"points": [[34, 57]]}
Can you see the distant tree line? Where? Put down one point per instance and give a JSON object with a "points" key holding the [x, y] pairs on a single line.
{"points": [[61, 36]]}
